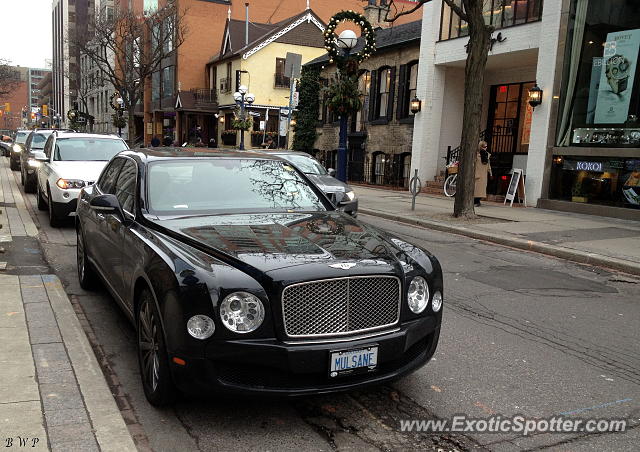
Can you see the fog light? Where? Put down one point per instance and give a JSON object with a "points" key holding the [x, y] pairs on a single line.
{"points": [[241, 312], [436, 301], [65, 195], [418, 294], [201, 326]]}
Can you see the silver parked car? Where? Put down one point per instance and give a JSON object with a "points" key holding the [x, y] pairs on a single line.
{"points": [[322, 177]]}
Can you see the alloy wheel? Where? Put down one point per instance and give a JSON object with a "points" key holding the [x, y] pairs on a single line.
{"points": [[148, 344]]}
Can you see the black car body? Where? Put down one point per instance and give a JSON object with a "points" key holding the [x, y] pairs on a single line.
{"points": [[19, 141], [333, 291], [33, 149]]}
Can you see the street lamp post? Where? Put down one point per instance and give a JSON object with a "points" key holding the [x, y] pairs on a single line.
{"points": [[120, 102], [243, 98], [346, 41]]}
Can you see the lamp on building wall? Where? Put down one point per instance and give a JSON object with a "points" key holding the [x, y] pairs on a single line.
{"points": [[535, 96], [416, 105]]}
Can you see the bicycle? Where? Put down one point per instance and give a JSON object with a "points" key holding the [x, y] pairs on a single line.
{"points": [[451, 181]]}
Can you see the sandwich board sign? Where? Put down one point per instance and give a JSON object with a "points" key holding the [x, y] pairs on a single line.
{"points": [[516, 188]]}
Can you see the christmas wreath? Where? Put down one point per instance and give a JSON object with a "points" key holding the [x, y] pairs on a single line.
{"points": [[330, 37]]}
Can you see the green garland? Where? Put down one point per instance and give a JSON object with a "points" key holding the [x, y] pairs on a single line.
{"points": [[241, 124], [343, 95], [307, 113], [330, 37]]}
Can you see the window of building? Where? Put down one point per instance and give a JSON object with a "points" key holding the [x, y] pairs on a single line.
{"points": [[168, 34], [168, 81], [364, 86], [383, 92], [281, 80], [412, 84], [600, 103], [155, 86], [499, 13]]}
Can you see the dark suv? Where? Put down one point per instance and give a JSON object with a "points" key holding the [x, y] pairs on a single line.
{"points": [[28, 157], [18, 146]]}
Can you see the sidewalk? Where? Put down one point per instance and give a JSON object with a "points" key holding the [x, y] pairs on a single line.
{"points": [[587, 239], [53, 394]]}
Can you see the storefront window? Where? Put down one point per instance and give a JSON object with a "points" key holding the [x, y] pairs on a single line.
{"points": [[597, 180], [600, 105]]}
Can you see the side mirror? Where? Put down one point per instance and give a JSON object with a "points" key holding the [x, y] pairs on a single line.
{"points": [[40, 156], [331, 172], [107, 204]]}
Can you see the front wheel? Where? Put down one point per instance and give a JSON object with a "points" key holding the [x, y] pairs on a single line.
{"points": [[86, 274], [152, 354], [54, 221], [42, 205], [450, 185]]}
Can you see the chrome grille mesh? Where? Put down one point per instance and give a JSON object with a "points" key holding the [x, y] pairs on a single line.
{"points": [[340, 306]]}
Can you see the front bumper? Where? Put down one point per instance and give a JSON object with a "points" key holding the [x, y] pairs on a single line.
{"points": [[64, 209], [269, 366], [15, 157], [351, 208]]}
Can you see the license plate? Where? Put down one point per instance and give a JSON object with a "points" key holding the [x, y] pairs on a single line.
{"points": [[345, 362]]}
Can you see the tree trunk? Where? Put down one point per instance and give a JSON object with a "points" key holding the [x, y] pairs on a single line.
{"points": [[478, 48], [131, 125]]}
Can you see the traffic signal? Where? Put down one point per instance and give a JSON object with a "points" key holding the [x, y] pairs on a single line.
{"points": [[33, 116], [7, 107], [45, 110]]}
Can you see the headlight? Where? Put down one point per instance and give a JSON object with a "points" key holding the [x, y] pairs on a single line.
{"points": [[69, 183], [241, 312], [350, 195], [33, 163], [436, 301], [418, 294], [201, 326], [17, 148]]}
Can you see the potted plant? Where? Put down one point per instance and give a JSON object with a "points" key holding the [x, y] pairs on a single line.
{"points": [[229, 137]]}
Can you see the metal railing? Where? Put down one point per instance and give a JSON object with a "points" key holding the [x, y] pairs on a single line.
{"points": [[203, 96], [281, 80]]}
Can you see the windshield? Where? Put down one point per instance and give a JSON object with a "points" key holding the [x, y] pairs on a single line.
{"points": [[304, 163], [206, 186], [39, 139], [21, 137], [87, 149]]}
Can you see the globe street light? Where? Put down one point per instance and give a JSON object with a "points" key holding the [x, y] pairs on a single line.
{"points": [[346, 41], [242, 99], [120, 102]]}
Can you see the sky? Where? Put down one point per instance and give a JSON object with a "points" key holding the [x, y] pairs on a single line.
{"points": [[25, 36]]}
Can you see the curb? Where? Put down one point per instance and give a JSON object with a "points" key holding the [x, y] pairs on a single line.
{"points": [[581, 257], [111, 431]]}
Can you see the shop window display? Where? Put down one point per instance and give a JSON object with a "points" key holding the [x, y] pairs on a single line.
{"points": [[597, 180], [600, 102]]}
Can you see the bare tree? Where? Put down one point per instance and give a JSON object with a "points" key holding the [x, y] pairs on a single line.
{"points": [[129, 47], [477, 53], [9, 78]]}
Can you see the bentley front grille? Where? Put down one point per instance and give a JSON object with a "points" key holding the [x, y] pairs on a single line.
{"points": [[341, 306]]}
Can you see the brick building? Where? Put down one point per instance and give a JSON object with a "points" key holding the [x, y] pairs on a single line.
{"points": [[380, 136], [15, 103]]}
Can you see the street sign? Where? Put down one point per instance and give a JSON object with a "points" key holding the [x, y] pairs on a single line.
{"points": [[292, 65], [262, 124], [516, 188], [296, 99]]}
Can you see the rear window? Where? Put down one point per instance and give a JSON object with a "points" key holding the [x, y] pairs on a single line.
{"points": [[39, 139], [21, 137], [87, 149]]}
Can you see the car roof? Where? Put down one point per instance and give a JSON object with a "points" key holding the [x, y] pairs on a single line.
{"points": [[65, 134], [168, 153], [285, 152]]}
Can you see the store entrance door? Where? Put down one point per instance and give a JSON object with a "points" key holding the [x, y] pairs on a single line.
{"points": [[508, 130]]}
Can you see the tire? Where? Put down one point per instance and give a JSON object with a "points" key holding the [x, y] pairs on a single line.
{"points": [[54, 221], [152, 353], [29, 185], [86, 274], [42, 205], [450, 185], [13, 165]]}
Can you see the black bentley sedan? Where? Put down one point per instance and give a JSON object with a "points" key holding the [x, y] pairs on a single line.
{"points": [[240, 275]]}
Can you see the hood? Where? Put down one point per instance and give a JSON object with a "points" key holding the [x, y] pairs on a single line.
{"points": [[328, 184], [270, 242], [88, 171]]}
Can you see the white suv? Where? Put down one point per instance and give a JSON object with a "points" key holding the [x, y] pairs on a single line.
{"points": [[71, 161]]}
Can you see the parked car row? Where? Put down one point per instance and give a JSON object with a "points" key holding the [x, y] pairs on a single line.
{"points": [[238, 271]]}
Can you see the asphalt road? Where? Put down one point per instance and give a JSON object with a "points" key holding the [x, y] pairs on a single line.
{"points": [[522, 334]]}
